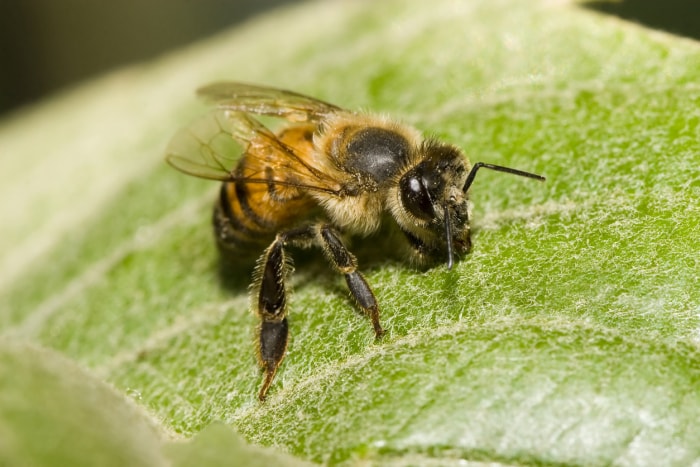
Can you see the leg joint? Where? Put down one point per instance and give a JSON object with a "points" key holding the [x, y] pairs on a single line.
{"points": [[302, 237], [339, 255]]}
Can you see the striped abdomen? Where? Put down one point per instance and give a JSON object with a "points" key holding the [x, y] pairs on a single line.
{"points": [[248, 215]]}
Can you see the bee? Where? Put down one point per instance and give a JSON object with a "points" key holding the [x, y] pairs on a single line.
{"points": [[326, 174]]}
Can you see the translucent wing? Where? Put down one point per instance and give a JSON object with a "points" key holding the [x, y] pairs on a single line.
{"points": [[263, 100], [212, 146], [205, 148]]}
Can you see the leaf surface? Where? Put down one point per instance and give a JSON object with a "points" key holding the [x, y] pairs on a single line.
{"points": [[570, 333]]}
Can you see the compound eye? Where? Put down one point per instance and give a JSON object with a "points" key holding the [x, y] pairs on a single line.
{"points": [[415, 196]]}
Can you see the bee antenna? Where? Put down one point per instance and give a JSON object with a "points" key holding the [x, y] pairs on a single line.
{"points": [[448, 234], [499, 168]]}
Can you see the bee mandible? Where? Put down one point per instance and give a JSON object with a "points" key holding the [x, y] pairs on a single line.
{"points": [[326, 174]]}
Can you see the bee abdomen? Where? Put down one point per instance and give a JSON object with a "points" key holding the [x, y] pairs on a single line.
{"points": [[247, 216], [238, 224]]}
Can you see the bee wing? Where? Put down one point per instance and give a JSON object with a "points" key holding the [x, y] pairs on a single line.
{"points": [[212, 146], [263, 100], [205, 148]]}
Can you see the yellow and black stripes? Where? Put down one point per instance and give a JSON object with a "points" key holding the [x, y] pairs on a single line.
{"points": [[248, 215], [236, 224]]}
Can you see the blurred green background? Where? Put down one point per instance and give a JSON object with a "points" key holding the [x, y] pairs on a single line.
{"points": [[47, 45]]}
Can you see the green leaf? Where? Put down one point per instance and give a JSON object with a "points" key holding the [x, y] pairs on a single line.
{"points": [[569, 335], [54, 413], [218, 445]]}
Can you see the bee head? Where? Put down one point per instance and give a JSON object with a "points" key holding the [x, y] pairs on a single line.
{"points": [[435, 191], [432, 191]]}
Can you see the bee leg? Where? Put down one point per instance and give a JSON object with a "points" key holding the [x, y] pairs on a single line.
{"points": [[273, 331], [271, 272], [346, 263], [273, 267]]}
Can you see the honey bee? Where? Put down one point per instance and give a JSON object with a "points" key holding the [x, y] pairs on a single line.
{"points": [[326, 174]]}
